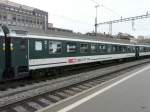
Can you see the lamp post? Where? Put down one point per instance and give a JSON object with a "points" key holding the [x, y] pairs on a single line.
{"points": [[96, 19]]}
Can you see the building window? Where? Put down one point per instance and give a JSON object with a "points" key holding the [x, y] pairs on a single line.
{"points": [[71, 47], [38, 45], [83, 48], [38, 21], [14, 17], [23, 19], [27, 19], [18, 18], [31, 21], [4, 17], [0, 16], [55, 47]]}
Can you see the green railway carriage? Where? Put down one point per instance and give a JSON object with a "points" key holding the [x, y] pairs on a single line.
{"points": [[54, 51], [23, 52]]}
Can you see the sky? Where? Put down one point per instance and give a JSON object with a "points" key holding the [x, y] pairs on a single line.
{"points": [[79, 15]]}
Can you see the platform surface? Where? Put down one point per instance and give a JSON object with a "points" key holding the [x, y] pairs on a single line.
{"points": [[131, 93]]}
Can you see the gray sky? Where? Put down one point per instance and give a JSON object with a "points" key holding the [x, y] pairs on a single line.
{"points": [[79, 15]]}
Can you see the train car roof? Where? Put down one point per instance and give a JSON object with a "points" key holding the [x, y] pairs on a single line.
{"points": [[49, 34]]}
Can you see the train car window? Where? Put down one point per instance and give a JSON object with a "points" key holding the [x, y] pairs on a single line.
{"points": [[118, 48], [146, 49], [38, 45], [141, 49], [83, 48], [102, 48], [55, 47], [71, 47], [109, 48], [113, 48], [22, 45], [128, 48], [123, 49], [93, 48], [133, 49], [149, 49]]}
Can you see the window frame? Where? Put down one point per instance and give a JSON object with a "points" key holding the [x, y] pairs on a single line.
{"points": [[102, 48], [86, 49], [61, 46], [109, 49], [35, 45], [93, 44], [71, 43]]}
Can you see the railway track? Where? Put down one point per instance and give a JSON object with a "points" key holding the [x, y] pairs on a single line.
{"points": [[34, 97], [13, 84]]}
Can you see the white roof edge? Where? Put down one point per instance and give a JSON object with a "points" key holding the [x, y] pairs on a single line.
{"points": [[81, 40], [69, 39]]}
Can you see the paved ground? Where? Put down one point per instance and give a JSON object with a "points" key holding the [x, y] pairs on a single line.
{"points": [[130, 93]]}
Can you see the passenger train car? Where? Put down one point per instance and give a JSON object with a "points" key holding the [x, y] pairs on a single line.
{"points": [[22, 52]]}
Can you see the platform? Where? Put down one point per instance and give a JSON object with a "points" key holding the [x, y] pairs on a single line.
{"points": [[127, 93]]}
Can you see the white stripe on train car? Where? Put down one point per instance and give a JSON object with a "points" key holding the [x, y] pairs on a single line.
{"points": [[54, 62], [144, 53]]}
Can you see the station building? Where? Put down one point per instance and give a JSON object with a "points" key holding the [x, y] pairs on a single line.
{"points": [[14, 14]]}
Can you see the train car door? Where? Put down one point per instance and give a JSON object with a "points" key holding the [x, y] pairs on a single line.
{"points": [[19, 48], [137, 51], [8, 72]]}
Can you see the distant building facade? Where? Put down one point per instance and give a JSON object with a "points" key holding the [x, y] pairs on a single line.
{"points": [[20, 15]]}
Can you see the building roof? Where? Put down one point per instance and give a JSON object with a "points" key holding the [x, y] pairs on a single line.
{"points": [[20, 6], [7, 2]]}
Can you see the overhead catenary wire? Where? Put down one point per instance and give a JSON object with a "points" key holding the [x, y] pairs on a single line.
{"points": [[95, 2], [109, 9], [69, 19], [113, 11]]}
